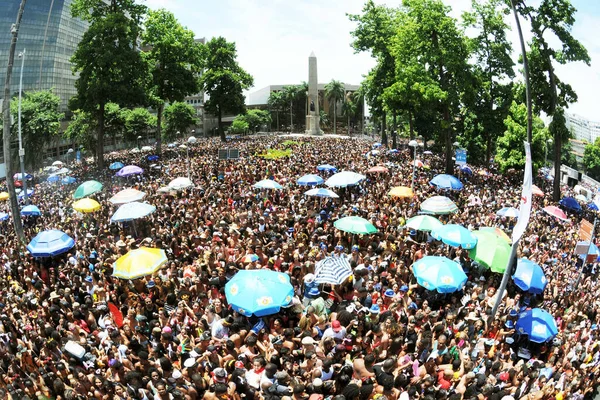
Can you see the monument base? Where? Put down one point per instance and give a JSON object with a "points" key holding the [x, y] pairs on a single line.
{"points": [[312, 122]]}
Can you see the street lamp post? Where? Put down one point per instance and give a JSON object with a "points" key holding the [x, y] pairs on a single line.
{"points": [[548, 143], [69, 152], [21, 149], [413, 143], [138, 141]]}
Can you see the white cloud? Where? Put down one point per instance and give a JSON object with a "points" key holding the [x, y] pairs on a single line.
{"points": [[275, 37]]}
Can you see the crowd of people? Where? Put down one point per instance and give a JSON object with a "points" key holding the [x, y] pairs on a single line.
{"points": [[379, 335]]}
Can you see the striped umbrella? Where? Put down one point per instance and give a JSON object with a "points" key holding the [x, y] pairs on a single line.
{"points": [[332, 270], [439, 205]]}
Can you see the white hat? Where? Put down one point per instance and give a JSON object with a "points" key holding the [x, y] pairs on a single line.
{"points": [[189, 363], [309, 278], [308, 340], [177, 374]]}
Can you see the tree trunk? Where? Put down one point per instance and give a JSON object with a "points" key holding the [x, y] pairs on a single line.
{"points": [[220, 123], [159, 115], [14, 205], [394, 133], [449, 146], [100, 137], [384, 138], [411, 126], [334, 116]]}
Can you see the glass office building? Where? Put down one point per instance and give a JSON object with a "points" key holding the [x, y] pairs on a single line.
{"points": [[50, 36]]}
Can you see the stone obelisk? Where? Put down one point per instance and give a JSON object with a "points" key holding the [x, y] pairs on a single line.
{"points": [[312, 119]]}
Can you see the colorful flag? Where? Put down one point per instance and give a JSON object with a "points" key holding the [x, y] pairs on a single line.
{"points": [[525, 209]]}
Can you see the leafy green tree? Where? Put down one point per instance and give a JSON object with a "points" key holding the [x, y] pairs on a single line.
{"points": [[223, 80], [591, 159], [349, 109], [239, 125], [81, 129], [174, 59], [335, 92], [510, 152], [109, 65], [291, 94], [115, 120], [138, 121], [179, 117], [40, 123], [549, 93], [276, 102], [492, 74], [256, 118]]}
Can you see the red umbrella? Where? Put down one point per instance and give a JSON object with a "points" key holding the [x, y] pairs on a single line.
{"points": [[537, 191], [378, 169], [556, 212], [116, 314]]}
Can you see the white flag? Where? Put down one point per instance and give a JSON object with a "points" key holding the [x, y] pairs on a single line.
{"points": [[525, 209]]}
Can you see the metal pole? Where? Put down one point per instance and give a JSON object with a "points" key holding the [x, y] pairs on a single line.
{"points": [[586, 254], [412, 184], [507, 274], [21, 150], [546, 155]]}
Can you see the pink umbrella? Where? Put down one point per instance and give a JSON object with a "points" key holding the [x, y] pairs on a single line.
{"points": [[419, 164], [537, 191], [556, 212], [378, 169]]}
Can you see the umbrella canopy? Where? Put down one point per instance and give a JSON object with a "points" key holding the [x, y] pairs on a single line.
{"points": [[556, 212], [497, 231], [248, 258], [509, 212], [153, 158], [530, 277], [259, 292], [131, 211], [127, 196], [62, 171], [344, 178], [455, 235], [267, 184], [86, 189], [424, 223], [376, 145], [379, 169], [326, 167], [593, 206], [4, 196], [492, 250], [86, 205], [147, 148], [139, 262], [116, 166], [581, 198], [332, 270], [356, 225], [53, 178], [418, 163], [537, 191], [402, 192], [538, 324], [67, 180], [438, 205], [30, 210], [4, 216], [439, 273], [321, 192], [428, 152], [18, 176], [570, 203], [465, 169], [310, 180], [129, 170], [50, 243], [445, 181], [171, 145], [50, 168], [30, 193], [181, 183], [57, 163]]}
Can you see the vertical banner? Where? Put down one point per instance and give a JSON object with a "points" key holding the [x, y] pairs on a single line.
{"points": [[78, 156], [461, 156], [525, 209]]}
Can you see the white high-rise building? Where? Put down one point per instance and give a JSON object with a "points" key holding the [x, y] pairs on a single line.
{"points": [[582, 129]]}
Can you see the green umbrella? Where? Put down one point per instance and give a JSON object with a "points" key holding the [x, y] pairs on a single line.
{"points": [[355, 225], [424, 223], [86, 189], [492, 251]]}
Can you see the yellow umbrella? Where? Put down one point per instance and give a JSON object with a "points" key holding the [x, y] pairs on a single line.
{"points": [[401, 191], [139, 262], [497, 231], [86, 205], [4, 196]]}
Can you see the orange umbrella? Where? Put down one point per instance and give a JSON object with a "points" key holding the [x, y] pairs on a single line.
{"points": [[401, 191], [497, 231], [378, 169], [537, 191]]}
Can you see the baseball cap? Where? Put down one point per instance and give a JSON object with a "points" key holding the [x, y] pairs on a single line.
{"points": [[336, 326]]}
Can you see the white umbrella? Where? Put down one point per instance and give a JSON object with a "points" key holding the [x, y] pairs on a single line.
{"points": [[51, 168], [127, 196], [267, 184], [192, 139], [147, 148], [181, 183], [332, 270], [57, 163], [131, 211], [321, 192], [344, 178]]}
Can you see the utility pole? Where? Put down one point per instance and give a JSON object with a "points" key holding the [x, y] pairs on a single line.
{"points": [[21, 149], [14, 205]]}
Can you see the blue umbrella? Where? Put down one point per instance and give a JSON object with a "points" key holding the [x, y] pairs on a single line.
{"points": [[465, 169], [538, 324], [509, 212], [67, 180], [439, 273], [259, 292], [116, 166], [53, 178], [129, 170], [4, 216], [30, 210], [570, 203], [326, 167], [455, 235], [30, 193], [593, 206], [309, 180], [393, 151], [530, 277], [131, 211], [267, 184], [171, 145], [50, 243], [376, 145], [344, 178], [322, 192], [153, 158], [444, 181]]}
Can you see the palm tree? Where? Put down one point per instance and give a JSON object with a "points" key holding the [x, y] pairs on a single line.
{"points": [[290, 93], [303, 93], [334, 91], [349, 109], [276, 103]]}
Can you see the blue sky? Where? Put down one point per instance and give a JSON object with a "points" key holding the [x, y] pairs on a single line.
{"points": [[275, 37]]}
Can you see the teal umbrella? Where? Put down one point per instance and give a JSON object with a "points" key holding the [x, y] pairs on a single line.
{"points": [[440, 274], [87, 189], [424, 223], [356, 225]]}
